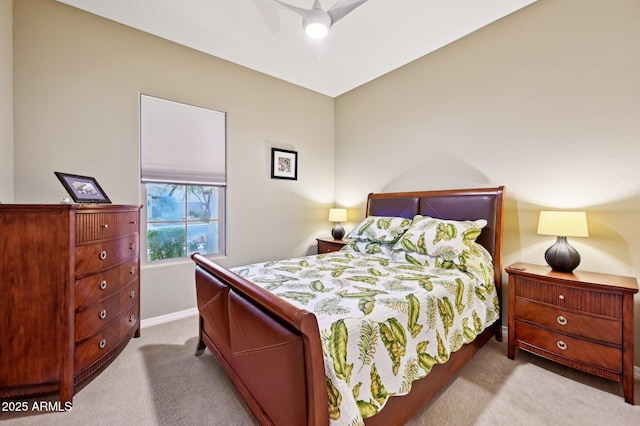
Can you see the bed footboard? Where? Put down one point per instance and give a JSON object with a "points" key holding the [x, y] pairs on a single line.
{"points": [[270, 349]]}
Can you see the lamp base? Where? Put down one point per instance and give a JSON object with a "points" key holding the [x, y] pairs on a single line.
{"points": [[338, 231], [562, 256]]}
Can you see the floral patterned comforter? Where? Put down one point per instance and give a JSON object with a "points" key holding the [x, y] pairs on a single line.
{"points": [[384, 321]]}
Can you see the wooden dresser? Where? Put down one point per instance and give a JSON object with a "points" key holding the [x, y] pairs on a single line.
{"points": [[582, 319], [69, 292]]}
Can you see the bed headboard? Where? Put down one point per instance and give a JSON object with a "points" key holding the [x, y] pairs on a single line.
{"points": [[454, 204]]}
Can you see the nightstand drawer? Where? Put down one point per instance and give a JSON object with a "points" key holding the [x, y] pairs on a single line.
{"points": [[564, 321], [607, 304], [327, 248], [569, 347], [328, 245]]}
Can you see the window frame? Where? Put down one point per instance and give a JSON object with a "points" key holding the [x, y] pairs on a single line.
{"points": [[221, 220]]}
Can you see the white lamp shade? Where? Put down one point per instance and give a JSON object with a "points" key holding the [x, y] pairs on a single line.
{"points": [[563, 223], [337, 215]]}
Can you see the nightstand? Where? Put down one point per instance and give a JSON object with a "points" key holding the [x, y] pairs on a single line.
{"points": [[582, 319], [327, 245]]}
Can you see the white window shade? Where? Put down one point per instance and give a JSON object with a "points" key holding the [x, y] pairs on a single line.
{"points": [[181, 143]]}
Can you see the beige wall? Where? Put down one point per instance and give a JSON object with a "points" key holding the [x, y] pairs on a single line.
{"points": [[6, 101], [77, 84], [545, 101]]}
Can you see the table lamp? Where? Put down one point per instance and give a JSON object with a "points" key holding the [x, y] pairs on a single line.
{"points": [[337, 216], [562, 256]]}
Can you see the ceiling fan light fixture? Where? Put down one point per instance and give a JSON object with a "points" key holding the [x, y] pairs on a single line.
{"points": [[317, 24], [316, 30], [315, 21]]}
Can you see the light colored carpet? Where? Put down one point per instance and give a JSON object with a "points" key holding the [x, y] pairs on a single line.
{"points": [[157, 380]]}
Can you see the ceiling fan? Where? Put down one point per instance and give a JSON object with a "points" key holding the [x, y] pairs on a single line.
{"points": [[315, 21]]}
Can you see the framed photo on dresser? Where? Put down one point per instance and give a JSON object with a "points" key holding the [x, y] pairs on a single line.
{"points": [[83, 189]]}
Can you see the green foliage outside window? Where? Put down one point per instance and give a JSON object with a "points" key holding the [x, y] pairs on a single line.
{"points": [[166, 243]]}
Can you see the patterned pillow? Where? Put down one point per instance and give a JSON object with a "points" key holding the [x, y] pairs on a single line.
{"points": [[383, 229], [446, 239]]}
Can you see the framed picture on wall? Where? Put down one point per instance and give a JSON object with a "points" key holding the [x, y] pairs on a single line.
{"points": [[83, 189], [284, 164]]}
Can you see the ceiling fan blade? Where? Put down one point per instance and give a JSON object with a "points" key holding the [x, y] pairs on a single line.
{"points": [[269, 14], [342, 8], [300, 11]]}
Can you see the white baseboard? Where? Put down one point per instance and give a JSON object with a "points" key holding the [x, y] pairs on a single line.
{"points": [[636, 369], [168, 317]]}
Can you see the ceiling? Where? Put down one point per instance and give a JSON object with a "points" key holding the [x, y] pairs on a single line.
{"points": [[374, 39]]}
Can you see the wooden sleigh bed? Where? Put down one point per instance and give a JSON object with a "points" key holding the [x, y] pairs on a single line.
{"points": [[272, 350]]}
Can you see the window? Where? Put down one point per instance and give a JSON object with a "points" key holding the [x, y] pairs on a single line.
{"points": [[182, 151], [182, 219]]}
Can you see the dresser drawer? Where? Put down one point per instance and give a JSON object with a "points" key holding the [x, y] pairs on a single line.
{"points": [[97, 316], [607, 304], [98, 226], [96, 257], [570, 347], [99, 345], [99, 286], [569, 322]]}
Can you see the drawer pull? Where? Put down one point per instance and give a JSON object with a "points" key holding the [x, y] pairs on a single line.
{"points": [[562, 345], [102, 343], [132, 270], [561, 297], [133, 222], [103, 314], [105, 226], [132, 246], [103, 255], [561, 320], [132, 294], [132, 318], [103, 284]]}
